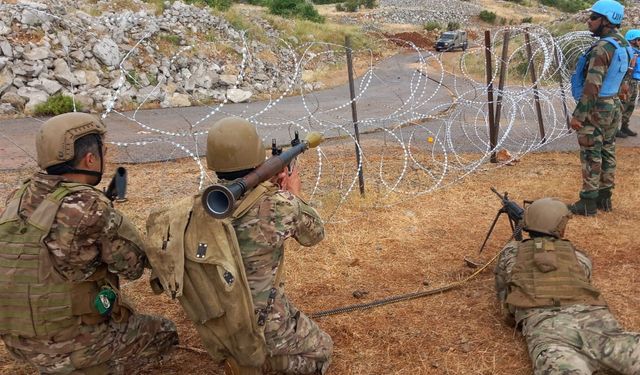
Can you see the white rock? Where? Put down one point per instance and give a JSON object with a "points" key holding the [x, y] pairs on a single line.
{"points": [[238, 95], [6, 78], [38, 53], [33, 97], [106, 50]]}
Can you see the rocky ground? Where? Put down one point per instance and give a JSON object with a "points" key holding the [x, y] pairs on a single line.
{"points": [[176, 58]]}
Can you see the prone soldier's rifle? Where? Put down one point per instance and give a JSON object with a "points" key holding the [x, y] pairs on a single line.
{"points": [[514, 212], [117, 188], [218, 200]]}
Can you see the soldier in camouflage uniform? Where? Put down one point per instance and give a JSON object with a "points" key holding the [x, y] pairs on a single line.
{"points": [[63, 247], [629, 105], [544, 284], [295, 343], [597, 117]]}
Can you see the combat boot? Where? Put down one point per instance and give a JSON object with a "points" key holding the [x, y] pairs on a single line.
{"points": [[603, 202], [627, 131], [621, 134], [584, 207], [232, 367]]}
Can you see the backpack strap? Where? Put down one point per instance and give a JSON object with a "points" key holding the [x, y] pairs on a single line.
{"points": [[45, 213], [250, 199]]}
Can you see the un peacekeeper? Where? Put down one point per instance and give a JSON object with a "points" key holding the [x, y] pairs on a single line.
{"points": [[597, 116], [629, 105], [63, 247], [295, 344], [545, 285]]}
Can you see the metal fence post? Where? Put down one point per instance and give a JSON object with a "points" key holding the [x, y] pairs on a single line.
{"points": [[493, 134], [536, 97], [354, 112]]}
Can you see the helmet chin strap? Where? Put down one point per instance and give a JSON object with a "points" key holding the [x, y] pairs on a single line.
{"points": [[89, 173]]}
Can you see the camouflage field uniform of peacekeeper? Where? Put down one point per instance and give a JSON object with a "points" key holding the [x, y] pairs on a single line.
{"points": [[629, 105], [294, 341], [84, 237], [601, 118], [573, 340]]}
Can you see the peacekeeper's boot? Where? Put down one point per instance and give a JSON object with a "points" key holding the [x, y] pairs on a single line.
{"points": [[584, 207], [627, 131], [232, 367], [621, 134], [603, 202]]}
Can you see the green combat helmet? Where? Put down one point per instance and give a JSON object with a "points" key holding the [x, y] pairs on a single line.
{"points": [[548, 216], [55, 140], [233, 145]]}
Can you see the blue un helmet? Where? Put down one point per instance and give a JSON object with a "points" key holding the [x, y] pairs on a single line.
{"points": [[611, 9], [632, 35]]}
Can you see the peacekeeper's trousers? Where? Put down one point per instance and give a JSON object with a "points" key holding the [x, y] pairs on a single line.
{"points": [[295, 343], [597, 140], [629, 105], [106, 348], [580, 340]]}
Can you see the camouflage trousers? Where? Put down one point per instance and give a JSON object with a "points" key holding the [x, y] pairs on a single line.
{"points": [[580, 340], [629, 105], [597, 147], [107, 348], [295, 343]]}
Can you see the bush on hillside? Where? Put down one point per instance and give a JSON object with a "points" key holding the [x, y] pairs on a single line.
{"points": [[432, 25], [487, 16], [295, 8], [568, 6], [56, 105], [217, 4]]}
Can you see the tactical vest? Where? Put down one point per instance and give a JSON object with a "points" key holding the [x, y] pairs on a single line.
{"points": [[197, 259], [35, 299], [547, 273], [615, 72]]}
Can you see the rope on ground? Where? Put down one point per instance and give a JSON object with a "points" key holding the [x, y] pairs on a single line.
{"points": [[403, 297]]}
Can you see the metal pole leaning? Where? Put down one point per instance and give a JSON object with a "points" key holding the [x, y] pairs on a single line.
{"points": [[354, 112], [563, 96], [493, 133], [534, 79], [503, 76]]}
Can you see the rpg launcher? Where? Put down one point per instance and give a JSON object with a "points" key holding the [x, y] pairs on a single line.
{"points": [[117, 189], [515, 214], [218, 200], [275, 151]]}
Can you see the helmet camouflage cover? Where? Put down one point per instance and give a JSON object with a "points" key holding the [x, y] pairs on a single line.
{"points": [[546, 215], [55, 140], [233, 145]]}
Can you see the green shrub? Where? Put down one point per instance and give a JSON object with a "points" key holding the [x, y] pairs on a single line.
{"points": [[295, 8], [352, 5], [340, 7], [432, 25], [56, 105], [569, 6], [326, 1], [487, 16], [369, 4], [451, 26], [217, 4], [527, 20]]}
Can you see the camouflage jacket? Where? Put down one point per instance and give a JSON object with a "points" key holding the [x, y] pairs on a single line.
{"points": [[261, 234], [503, 269], [84, 234], [599, 60]]}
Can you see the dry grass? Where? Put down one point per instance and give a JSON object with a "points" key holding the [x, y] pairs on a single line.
{"points": [[414, 245]]}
